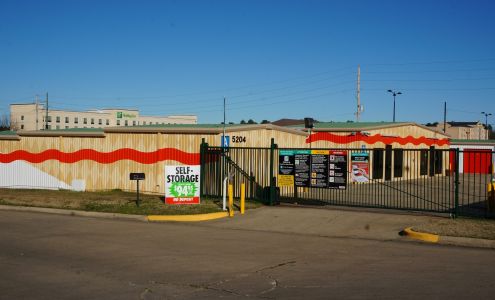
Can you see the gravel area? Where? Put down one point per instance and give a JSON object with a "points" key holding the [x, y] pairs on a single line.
{"points": [[461, 227]]}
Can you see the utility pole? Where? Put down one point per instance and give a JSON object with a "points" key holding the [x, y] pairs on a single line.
{"points": [[37, 101], [445, 117], [46, 117], [358, 94]]}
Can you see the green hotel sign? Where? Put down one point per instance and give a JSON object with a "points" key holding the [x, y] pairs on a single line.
{"points": [[121, 115]]}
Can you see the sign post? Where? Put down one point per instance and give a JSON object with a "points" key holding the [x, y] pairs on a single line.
{"points": [[137, 177]]}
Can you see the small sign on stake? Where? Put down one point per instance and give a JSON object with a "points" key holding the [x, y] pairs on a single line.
{"points": [[137, 177]]}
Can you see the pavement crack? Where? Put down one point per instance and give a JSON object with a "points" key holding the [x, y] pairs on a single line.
{"points": [[210, 287], [276, 266], [273, 281]]}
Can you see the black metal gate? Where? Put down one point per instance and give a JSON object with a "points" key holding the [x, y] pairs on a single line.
{"points": [[429, 180]]}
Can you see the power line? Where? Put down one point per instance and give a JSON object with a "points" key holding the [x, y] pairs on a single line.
{"points": [[429, 71], [432, 62], [434, 89], [210, 91], [277, 102], [232, 102], [427, 80]]}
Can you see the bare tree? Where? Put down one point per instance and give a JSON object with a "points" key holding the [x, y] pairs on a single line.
{"points": [[4, 123]]}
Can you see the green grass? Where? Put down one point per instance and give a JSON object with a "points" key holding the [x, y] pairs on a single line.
{"points": [[115, 201]]}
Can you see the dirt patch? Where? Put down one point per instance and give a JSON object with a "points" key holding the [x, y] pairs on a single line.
{"points": [[115, 201], [461, 227]]}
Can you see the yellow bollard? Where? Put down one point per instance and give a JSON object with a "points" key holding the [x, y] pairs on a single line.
{"points": [[231, 200], [243, 197]]}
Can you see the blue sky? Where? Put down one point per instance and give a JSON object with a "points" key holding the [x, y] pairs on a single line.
{"points": [[271, 59]]}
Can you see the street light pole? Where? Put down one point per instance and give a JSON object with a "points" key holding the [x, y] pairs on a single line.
{"points": [[486, 123], [394, 93]]}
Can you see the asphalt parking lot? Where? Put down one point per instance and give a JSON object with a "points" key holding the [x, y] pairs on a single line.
{"points": [[47, 256]]}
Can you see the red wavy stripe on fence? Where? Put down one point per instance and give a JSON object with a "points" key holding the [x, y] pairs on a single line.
{"points": [[104, 157], [372, 139]]}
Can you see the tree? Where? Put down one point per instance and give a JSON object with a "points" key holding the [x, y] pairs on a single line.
{"points": [[265, 122], [243, 122], [251, 121], [5, 124], [231, 123], [491, 132]]}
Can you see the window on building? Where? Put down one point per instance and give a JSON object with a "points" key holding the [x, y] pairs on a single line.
{"points": [[22, 118], [92, 121], [22, 126], [66, 127], [133, 123], [108, 122], [398, 162], [99, 122], [118, 122], [57, 119], [377, 163], [85, 120], [126, 123], [144, 122], [49, 126], [66, 119], [49, 118], [57, 127], [76, 120]]}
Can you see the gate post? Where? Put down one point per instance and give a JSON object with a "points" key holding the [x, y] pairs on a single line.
{"points": [[272, 181], [202, 163], [456, 185]]}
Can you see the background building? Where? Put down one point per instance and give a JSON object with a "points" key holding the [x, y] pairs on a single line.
{"points": [[32, 116], [463, 130]]}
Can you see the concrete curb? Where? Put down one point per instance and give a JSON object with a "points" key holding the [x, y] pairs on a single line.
{"points": [[448, 240], [422, 236], [143, 218], [188, 218], [69, 212]]}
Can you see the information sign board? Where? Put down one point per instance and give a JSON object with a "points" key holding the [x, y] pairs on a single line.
{"points": [[319, 168], [286, 168], [337, 170], [360, 167], [302, 163]]}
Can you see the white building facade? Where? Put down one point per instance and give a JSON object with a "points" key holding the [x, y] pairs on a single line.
{"points": [[32, 116]]}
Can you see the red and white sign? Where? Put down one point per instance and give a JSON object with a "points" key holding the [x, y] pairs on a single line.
{"points": [[182, 184]]}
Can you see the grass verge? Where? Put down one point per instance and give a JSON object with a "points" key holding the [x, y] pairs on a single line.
{"points": [[460, 227], [115, 201]]}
